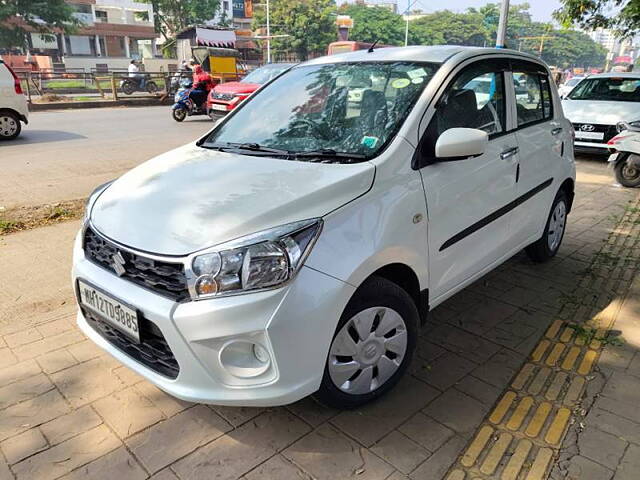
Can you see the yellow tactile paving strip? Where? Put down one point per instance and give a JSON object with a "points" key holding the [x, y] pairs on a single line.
{"points": [[520, 436]]}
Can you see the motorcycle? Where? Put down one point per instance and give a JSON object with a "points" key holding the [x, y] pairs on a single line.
{"points": [[129, 85], [184, 105], [625, 156]]}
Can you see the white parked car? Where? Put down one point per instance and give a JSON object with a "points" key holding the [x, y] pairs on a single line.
{"points": [[297, 246], [566, 87], [13, 104], [598, 103]]}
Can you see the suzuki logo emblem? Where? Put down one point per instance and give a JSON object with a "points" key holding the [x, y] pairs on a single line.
{"points": [[118, 264], [587, 128]]}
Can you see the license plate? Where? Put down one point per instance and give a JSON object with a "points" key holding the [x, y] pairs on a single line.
{"points": [[113, 311], [590, 135], [217, 106], [613, 157]]}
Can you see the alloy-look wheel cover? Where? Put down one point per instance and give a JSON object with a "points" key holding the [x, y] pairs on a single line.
{"points": [[8, 126], [557, 224], [367, 350]]}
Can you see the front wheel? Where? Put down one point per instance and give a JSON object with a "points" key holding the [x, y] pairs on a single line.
{"points": [[152, 87], [179, 114], [9, 126], [372, 346], [549, 244], [627, 175]]}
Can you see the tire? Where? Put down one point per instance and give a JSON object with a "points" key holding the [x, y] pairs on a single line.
{"points": [[626, 175], [128, 87], [549, 244], [355, 370], [152, 87], [10, 126], [179, 114]]}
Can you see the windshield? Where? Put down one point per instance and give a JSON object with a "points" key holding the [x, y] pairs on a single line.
{"points": [[617, 89], [348, 108], [573, 82], [263, 75]]}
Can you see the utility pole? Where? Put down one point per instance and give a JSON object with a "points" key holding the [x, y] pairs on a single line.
{"points": [[502, 25], [268, 36], [406, 27]]}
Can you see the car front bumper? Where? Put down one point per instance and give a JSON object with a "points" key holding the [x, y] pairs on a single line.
{"points": [[295, 324]]}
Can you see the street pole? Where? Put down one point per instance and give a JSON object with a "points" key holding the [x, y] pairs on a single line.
{"points": [[406, 28], [268, 36], [502, 25]]}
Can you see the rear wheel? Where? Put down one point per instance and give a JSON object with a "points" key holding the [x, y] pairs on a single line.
{"points": [[627, 175], [128, 87], [372, 346], [549, 244], [179, 114], [9, 126]]}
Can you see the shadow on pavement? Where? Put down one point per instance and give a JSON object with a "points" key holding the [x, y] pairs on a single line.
{"points": [[43, 136]]}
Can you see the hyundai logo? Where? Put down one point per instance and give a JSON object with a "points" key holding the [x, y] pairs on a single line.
{"points": [[118, 264], [587, 128]]}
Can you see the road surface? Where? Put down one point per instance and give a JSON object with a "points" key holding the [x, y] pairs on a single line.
{"points": [[63, 155]]}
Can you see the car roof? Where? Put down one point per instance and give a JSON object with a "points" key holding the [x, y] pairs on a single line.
{"points": [[430, 54], [616, 75], [277, 65]]}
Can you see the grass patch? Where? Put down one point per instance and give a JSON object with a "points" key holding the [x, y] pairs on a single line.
{"points": [[26, 218], [589, 334]]}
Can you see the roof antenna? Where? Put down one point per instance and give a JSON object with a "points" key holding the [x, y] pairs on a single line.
{"points": [[373, 45]]}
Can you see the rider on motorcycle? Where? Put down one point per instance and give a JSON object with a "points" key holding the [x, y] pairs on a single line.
{"points": [[134, 72], [201, 85]]}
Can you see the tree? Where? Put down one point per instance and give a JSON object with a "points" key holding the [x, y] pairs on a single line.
{"points": [[451, 28], [621, 15], [173, 16], [375, 23], [19, 17], [309, 24]]}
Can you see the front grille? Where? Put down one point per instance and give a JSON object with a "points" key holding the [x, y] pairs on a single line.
{"points": [[609, 131], [167, 279], [152, 351], [222, 96]]}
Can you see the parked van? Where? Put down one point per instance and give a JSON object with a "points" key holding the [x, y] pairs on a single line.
{"points": [[13, 104], [296, 247]]}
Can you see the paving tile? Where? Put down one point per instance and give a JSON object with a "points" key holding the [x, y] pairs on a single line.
{"points": [[128, 411], [371, 422], [166, 403], [630, 464], [23, 445], [165, 474], [49, 344], [70, 425], [7, 358], [312, 411], [127, 376], [5, 473], [484, 316], [18, 371], [22, 416], [429, 351], [241, 450], [437, 464], [327, 454], [623, 388], [457, 411], [476, 388], [89, 381], [601, 447], [426, 431], [581, 468], [157, 447], [55, 361], [468, 345], [67, 456], [236, 416], [400, 452], [55, 327], [443, 372], [24, 390], [85, 350], [499, 370], [614, 424], [22, 337], [118, 464], [277, 468]]}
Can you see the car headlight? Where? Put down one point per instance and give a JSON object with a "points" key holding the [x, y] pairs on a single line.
{"points": [[263, 260], [92, 198]]}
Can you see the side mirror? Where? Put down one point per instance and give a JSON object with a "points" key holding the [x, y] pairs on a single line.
{"points": [[461, 143]]}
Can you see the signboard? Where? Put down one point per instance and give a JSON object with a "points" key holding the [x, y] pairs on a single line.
{"points": [[242, 8]]}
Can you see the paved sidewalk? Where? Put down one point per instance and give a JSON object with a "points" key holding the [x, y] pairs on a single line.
{"points": [[69, 411]]}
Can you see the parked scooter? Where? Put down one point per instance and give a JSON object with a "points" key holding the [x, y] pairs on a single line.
{"points": [[129, 85], [184, 105], [625, 156]]}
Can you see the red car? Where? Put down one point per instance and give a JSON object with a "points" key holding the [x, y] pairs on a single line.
{"points": [[226, 96]]}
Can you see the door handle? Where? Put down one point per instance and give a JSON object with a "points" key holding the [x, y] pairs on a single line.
{"points": [[556, 131], [508, 153]]}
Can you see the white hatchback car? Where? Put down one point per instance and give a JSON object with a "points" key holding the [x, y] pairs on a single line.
{"points": [[296, 247], [13, 104]]}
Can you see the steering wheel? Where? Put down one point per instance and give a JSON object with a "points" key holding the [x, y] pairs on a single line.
{"points": [[311, 126]]}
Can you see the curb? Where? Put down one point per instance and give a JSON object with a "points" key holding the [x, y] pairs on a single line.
{"points": [[146, 102]]}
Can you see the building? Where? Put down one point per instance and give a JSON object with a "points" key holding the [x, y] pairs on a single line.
{"points": [[391, 6], [112, 33], [617, 48]]}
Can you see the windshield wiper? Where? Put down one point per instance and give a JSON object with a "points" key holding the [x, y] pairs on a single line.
{"points": [[253, 147], [329, 153]]}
